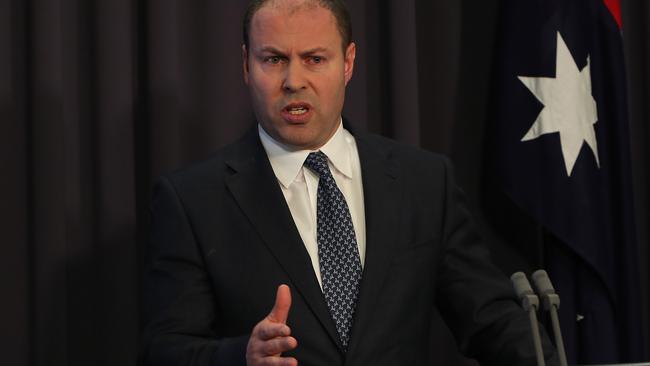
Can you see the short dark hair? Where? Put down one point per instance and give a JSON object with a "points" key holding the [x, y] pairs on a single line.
{"points": [[337, 7]]}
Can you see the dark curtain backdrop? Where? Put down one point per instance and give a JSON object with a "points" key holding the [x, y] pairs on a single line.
{"points": [[97, 98]]}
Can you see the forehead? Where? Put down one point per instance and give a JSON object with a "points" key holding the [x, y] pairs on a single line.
{"points": [[294, 24]]}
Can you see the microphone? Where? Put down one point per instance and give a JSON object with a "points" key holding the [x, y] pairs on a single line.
{"points": [[551, 302], [530, 303]]}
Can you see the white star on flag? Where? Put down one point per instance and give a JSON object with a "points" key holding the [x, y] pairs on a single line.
{"points": [[569, 107]]}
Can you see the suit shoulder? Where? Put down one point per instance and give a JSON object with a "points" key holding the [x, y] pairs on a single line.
{"points": [[408, 155], [198, 169], [208, 171]]}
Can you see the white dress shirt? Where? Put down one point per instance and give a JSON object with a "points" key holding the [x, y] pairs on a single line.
{"points": [[300, 186]]}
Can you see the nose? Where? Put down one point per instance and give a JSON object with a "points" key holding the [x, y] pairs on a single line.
{"points": [[294, 79]]}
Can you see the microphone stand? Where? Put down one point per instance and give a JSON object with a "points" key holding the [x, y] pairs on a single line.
{"points": [[551, 302], [530, 303]]}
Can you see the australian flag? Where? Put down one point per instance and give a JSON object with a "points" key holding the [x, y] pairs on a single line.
{"points": [[558, 167]]}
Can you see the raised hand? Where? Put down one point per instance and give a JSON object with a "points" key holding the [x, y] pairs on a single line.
{"points": [[271, 336]]}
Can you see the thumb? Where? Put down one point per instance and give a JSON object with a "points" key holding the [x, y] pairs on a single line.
{"points": [[280, 310]]}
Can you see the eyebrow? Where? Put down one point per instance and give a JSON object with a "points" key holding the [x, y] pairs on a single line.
{"points": [[315, 50], [270, 49], [276, 51]]}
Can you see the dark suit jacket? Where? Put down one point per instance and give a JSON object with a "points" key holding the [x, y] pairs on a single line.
{"points": [[223, 239]]}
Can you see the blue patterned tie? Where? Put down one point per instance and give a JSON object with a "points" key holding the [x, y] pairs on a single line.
{"points": [[338, 254]]}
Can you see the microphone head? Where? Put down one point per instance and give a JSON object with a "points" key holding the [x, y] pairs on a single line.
{"points": [[521, 284], [543, 282]]}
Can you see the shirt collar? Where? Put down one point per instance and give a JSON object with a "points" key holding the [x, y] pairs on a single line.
{"points": [[286, 163]]}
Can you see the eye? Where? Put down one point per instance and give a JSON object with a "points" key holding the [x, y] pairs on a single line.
{"points": [[316, 59], [274, 60]]}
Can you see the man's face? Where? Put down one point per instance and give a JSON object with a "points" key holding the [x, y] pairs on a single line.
{"points": [[296, 72]]}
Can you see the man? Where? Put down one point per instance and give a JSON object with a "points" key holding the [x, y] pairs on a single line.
{"points": [[307, 243]]}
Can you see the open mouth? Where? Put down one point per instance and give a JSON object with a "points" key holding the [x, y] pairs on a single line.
{"points": [[297, 109]]}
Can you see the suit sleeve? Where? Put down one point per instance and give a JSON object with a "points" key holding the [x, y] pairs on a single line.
{"points": [[179, 307], [475, 298]]}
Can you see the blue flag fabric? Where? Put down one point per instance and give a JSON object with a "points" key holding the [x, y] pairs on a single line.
{"points": [[557, 149]]}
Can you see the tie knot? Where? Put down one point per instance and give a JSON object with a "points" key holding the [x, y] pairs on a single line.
{"points": [[317, 162]]}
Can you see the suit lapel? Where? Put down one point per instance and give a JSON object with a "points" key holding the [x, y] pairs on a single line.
{"points": [[255, 188], [381, 200]]}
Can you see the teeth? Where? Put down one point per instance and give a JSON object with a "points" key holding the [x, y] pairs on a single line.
{"points": [[298, 111]]}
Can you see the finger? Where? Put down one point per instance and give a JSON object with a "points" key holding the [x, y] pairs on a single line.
{"points": [[279, 345], [279, 361], [280, 310], [267, 330]]}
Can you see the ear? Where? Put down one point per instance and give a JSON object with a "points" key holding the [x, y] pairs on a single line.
{"points": [[244, 57], [350, 54]]}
